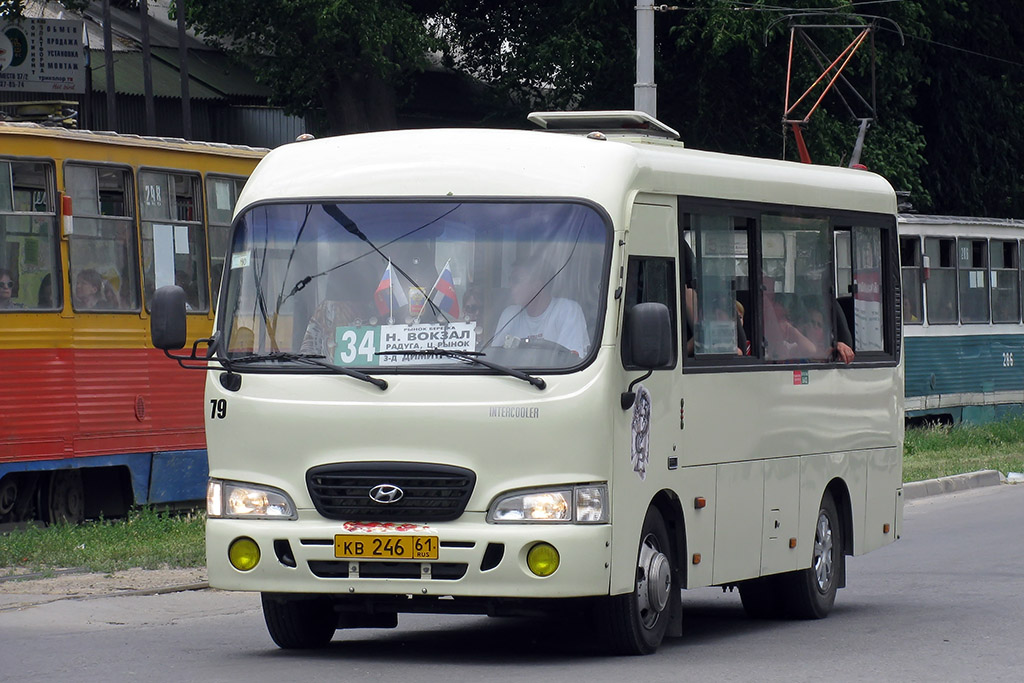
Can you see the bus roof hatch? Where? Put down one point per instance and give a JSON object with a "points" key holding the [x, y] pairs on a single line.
{"points": [[608, 122]]}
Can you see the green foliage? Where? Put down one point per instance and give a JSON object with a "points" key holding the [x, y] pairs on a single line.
{"points": [[145, 539], [538, 54], [970, 106], [941, 451], [948, 82], [343, 56], [12, 9]]}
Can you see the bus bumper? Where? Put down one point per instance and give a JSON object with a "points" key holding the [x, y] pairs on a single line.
{"points": [[475, 559]]}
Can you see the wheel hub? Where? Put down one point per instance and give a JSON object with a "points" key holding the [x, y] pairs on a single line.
{"points": [[659, 583], [823, 553], [654, 582]]}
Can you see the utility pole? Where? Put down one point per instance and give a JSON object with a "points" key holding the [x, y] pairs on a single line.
{"points": [[108, 66], [186, 102], [147, 68], [645, 91]]}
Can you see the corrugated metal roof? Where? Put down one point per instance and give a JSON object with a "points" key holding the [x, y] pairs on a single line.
{"points": [[128, 77], [217, 70]]}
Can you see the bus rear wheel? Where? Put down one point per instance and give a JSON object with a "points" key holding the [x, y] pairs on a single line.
{"points": [[810, 593], [635, 623], [299, 622]]}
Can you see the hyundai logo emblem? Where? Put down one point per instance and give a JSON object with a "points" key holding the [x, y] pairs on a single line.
{"points": [[385, 494]]}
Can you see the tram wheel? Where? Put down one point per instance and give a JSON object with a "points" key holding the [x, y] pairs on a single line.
{"points": [[65, 499], [8, 495]]}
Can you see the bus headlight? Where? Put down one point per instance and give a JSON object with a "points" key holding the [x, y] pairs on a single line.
{"points": [[581, 504], [247, 501]]}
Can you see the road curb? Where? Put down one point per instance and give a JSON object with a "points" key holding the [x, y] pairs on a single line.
{"points": [[952, 484]]}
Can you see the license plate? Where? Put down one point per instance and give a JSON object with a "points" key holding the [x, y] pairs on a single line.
{"points": [[385, 547]]}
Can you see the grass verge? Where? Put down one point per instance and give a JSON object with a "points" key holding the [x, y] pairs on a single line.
{"points": [[150, 540], [144, 539], [941, 451]]}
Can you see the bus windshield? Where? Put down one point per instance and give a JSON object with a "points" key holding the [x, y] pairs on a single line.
{"points": [[417, 285]]}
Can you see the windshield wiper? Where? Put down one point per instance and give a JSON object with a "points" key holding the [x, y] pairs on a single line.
{"points": [[308, 359], [469, 357]]}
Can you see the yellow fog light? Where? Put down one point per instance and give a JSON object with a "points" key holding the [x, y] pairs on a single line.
{"points": [[542, 559], [244, 554]]}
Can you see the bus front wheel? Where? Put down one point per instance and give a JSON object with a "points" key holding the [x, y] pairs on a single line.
{"points": [[298, 622], [635, 623]]}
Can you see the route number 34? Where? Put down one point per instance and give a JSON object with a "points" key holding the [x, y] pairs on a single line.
{"points": [[218, 408]]}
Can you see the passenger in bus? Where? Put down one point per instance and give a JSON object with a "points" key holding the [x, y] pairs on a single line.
{"points": [[843, 336], [535, 314], [92, 291], [342, 307], [473, 305], [182, 280], [7, 287], [474, 311], [45, 296], [812, 328], [782, 339]]}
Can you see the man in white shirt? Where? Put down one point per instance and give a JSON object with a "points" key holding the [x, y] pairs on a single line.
{"points": [[535, 314]]}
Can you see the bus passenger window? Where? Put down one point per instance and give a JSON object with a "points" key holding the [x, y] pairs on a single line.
{"points": [[173, 239], [1005, 282], [910, 262], [103, 241], [973, 261], [868, 315], [29, 251], [797, 289], [720, 284]]}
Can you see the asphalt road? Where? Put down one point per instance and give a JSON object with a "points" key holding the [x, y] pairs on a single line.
{"points": [[943, 604]]}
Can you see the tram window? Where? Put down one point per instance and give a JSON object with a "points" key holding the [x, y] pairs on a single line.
{"points": [[973, 262], [1005, 281], [29, 257], [910, 262], [941, 285], [797, 282], [173, 238], [103, 245], [721, 283], [221, 195]]}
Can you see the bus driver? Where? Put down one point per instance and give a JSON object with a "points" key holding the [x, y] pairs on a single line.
{"points": [[535, 314]]}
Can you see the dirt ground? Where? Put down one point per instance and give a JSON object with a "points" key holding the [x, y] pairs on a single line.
{"points": [[71, 583]]}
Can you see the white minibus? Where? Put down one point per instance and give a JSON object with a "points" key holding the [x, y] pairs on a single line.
{"points": [[573, 371]]}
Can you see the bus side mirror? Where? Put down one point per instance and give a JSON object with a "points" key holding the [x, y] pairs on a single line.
{"points": [[649, 330], [167, 322]]}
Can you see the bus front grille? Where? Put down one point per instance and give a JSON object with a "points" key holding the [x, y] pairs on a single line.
{"points": [[390, 492]]}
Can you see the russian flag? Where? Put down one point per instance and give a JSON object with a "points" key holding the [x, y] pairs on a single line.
{"points": [[444, 293], [388, 297]]}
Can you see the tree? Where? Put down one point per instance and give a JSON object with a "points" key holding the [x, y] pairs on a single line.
{"points": [[344, 57], [11, 8], [950, 99], [970, 105]]}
